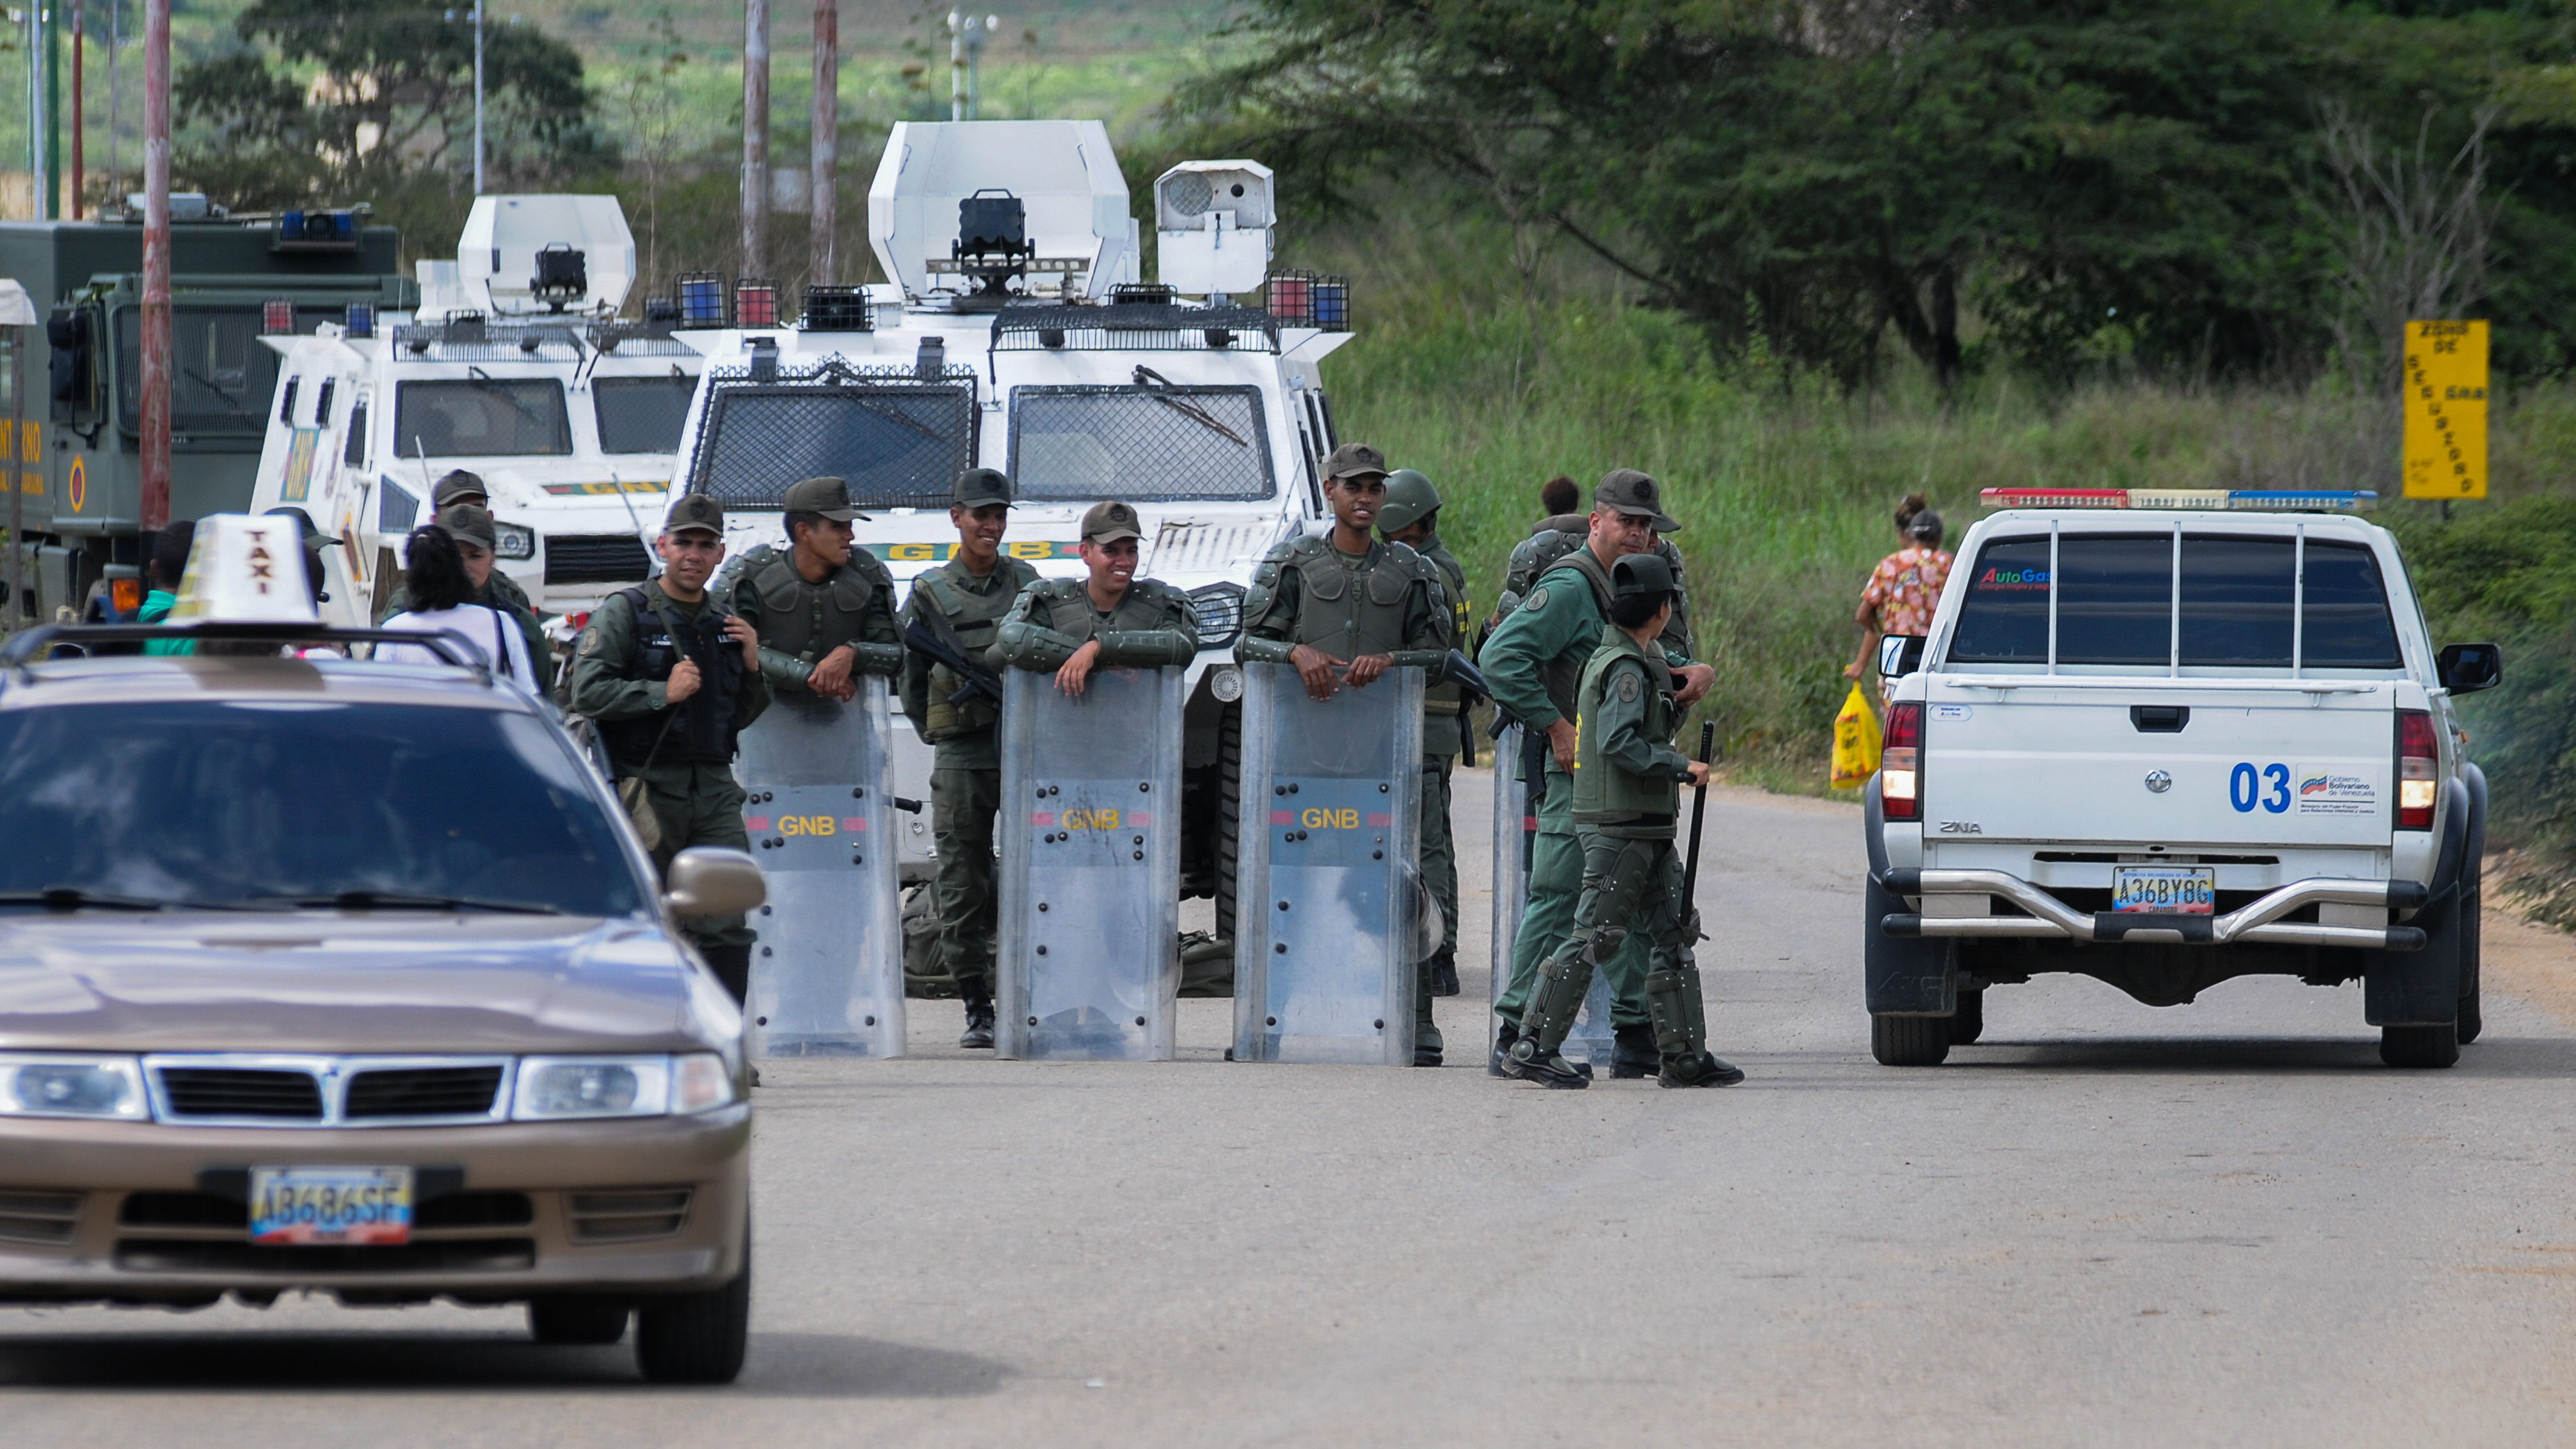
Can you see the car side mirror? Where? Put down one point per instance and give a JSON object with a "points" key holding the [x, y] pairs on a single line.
{"points": [[712, 880], [1899, 655], [2468, 668]]}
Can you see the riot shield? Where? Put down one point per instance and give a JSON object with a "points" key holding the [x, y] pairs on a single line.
{"points": [[1089, 959], [1327, 930], [828, 977], [1515, 837]]}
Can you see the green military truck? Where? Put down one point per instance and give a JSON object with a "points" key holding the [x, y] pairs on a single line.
{"points": [[71, 390]]}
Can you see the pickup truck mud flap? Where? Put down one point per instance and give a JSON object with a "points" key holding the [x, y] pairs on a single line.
{"points": [[1903, 977], [2422, 988]]}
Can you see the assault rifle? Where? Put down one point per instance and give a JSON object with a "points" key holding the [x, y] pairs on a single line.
{"points": [[940, 643]]}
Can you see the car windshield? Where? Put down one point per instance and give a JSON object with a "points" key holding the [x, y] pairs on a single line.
{"points": [[641, 414], [899, 444], [1077, 444], [262, 802], [482, 417], [2242, 600]]}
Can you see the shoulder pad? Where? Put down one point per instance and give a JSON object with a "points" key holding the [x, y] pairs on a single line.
{"points": [[1159, 591], [1054, 588], [1304, 544], [864, 562], [1266, 576]]}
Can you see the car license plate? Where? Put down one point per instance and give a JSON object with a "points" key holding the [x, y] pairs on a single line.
{"points": [[330, 1205], [2168, 890]]}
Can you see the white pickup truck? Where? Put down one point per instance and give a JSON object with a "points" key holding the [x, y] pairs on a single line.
{"points": [[2166, 740]]}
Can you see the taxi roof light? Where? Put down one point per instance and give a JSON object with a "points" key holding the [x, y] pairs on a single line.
{"points": [[2215, 500], [245, 570]]}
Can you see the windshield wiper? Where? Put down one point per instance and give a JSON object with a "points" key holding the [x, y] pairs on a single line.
{"points": [[1151, 384], [405, 901], [73, 898]]}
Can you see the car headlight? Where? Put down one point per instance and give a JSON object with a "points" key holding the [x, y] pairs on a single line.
{"points": [[557, 1088], [512, 540], [1220, 613], [48, 1085]]}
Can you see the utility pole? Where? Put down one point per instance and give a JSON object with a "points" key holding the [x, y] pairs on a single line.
{"points": [[156, 264], [36, 172], [478, 97], [957, 23], [115, 95], [822, 183], [80, 119], [52, 31], [755, 138]]}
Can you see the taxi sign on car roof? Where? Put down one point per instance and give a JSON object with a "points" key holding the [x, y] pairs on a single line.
{"points": [[245, 570], [2229, 500]]}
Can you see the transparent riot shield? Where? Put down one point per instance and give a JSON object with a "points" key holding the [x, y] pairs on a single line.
{"points": [[1327, 928], [1515, 839], [827, 979], [1089, 959]]}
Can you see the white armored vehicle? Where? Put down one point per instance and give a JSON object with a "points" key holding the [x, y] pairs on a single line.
{"points": [[516, 367], [1015, 334]]}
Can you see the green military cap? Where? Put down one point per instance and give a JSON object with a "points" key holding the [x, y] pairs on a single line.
{"points": [[1640, 573], [829, 497], [1109, 520], [455, 488], [1409, 495], [1355, 460], [1636, 494], [977, 487], [695, 510], [469, 524], [306, 529]]}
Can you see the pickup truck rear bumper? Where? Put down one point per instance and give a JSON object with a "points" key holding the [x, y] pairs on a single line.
{"points": [[2048, 918]]}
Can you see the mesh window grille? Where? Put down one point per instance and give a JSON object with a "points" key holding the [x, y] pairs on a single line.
{"points": [[222, 377], [900, 441], [641, 414], [1072, 444]]}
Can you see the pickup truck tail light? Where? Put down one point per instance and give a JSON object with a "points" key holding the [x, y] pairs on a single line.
{"points": [[1900, 777], [2418, 758]]}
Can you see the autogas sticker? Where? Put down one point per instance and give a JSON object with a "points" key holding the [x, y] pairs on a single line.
{"points": [[941, 552], [2328, 790], [606, 490], [1954, 711]]}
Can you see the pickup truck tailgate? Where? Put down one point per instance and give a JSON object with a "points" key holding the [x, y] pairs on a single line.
{"points": [[2258, 764]]}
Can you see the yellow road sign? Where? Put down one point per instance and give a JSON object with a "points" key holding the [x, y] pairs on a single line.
{"points": [[2446, 409]]}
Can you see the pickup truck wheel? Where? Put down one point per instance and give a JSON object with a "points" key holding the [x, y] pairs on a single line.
{"points": [[1909, 1041], [696, 1338], [2420, 1046], [573, 1318], [1970, 1023]]}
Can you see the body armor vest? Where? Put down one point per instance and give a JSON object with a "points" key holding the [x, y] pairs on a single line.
{"points": [[1604, 793], [976, 618], [1069, 612], [1563, 675], [699, 728], [1349, 609], [804, 619], [1448, 697]]}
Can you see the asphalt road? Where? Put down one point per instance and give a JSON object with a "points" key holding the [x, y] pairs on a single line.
{"points": [[2105, 1224]]}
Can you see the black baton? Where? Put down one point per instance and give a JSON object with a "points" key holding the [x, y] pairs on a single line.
{"points": [[1699, 812]]}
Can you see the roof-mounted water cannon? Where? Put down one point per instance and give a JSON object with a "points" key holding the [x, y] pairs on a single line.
{"points": [[1075, 238], [521, 255], [1212, 226]]}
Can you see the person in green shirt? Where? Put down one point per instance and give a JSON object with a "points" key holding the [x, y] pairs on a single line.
{"points": [[162, 571], [1533, 664], [1627, 803], [1412, 517]]}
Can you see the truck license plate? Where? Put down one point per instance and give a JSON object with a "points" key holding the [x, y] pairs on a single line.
{"points": [[2166, 890], [330, 1205]]}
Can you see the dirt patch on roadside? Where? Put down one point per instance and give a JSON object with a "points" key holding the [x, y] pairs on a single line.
{"points": [[2537, 963]]}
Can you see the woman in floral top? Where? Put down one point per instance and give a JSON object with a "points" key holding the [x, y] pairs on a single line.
{"points": [[1906, 586]]}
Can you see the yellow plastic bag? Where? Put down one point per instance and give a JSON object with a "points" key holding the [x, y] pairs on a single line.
{"points": [[1855, 742]]}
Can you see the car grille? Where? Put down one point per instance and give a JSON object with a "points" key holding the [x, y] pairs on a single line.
{"points": [[38, 1217], [455, 1210], [616, 1217], [422, 1092], [595, 558], [236, 1092], [436, 1255]]}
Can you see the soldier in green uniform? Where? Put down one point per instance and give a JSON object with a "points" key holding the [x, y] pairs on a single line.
{"points": [[1533, 663], [960, 605], [1563, 533], [671, 678], [1412, 517], [1627, 803], [1351, 601], [824, 611], [1110, 620]]}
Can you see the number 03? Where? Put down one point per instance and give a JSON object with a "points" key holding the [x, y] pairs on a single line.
{"points": [[2244, 788]]}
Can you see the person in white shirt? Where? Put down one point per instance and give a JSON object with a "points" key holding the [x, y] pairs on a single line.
{"points": [[438, 595]]}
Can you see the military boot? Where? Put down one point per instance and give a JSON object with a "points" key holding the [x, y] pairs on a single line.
{"points": [[1525, 1061], [1707, 1071], [979, 1024], [1504, 1036], [1633, 1054], [732, 966]]}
